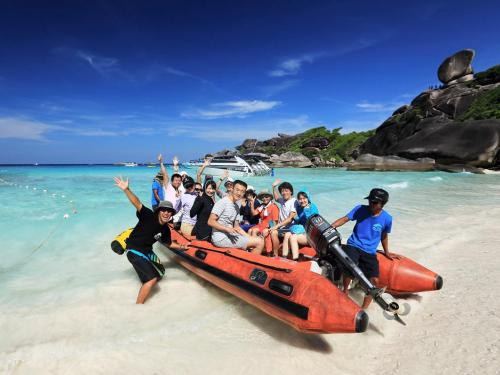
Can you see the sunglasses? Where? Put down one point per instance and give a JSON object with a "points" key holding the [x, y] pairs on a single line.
{"points": [[198, 190]]}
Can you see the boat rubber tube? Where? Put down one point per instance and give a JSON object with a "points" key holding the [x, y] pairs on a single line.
{"points": [[285, 289]]}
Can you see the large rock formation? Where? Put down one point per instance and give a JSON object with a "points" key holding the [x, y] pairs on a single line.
{"points": [[458, 124], [225, 153], [390, 163], [282, 141], [290, 159], [456, 66], [319, 142]]}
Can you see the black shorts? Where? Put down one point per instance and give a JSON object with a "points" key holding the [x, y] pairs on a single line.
{"points": [[282, 231], [368, 263], [143, 267]]}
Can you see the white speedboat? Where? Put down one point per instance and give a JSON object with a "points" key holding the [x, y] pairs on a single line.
{"points": [[237, 166], [130, 164]]}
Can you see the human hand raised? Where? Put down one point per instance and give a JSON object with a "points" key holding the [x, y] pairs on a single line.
{"points": [[276, 182], [121, 183], [207, 161]]}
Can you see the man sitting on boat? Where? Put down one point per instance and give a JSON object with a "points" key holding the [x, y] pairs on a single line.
{"points": [[226, 230], [287, 205], [151, 227], [373, 225]]}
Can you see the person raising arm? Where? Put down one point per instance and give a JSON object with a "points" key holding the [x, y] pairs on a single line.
{"points": [[139, 244], [205, 164], [172, 187]]}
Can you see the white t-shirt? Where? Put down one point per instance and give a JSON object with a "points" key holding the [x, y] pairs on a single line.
{"points": [[286, 207], [173, 197], [227, 212]]}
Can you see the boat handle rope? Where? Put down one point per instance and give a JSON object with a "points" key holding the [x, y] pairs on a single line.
{"points": [[228, 253]]}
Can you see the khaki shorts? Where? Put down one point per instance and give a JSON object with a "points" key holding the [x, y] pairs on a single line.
{"points": [[187, 229], [238, 241]]}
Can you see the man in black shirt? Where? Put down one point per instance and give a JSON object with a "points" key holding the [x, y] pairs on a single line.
{"points": [[152, 226]]}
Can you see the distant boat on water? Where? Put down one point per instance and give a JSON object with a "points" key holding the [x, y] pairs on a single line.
{"points": [[127, 164], [238, 166]]}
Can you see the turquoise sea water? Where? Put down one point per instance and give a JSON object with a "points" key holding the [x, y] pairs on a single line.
{"points": [[36, 236], [52, 263]]}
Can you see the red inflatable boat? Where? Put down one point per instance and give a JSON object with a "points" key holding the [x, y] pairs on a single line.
{"points": [[295, 292]]}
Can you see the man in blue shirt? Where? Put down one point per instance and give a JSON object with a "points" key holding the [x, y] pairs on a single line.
{"points": [[373, 225], [157, 191]]}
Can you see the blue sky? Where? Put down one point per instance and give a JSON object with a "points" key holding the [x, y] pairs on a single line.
{"points": [[102, 81]]}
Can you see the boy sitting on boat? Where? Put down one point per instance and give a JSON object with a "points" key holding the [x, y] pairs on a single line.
{"points": [[268, 214], [287, 205], [226, 230], [373, 225], [151, 227]]}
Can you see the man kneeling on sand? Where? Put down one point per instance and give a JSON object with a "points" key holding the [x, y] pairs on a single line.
{"points": [[226, 231]]}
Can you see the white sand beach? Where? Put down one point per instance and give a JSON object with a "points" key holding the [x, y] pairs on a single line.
{"points": [[69, 308]]}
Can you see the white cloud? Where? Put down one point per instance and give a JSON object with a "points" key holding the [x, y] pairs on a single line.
{"points": [[180, 73], [25, 129], [103, 65], [238, 133], [292, 66], [273, 90], [239, 109], [19, 128], [53, 107], [378, 107]]}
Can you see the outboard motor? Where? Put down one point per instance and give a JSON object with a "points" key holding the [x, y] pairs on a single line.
{"points": [[326, 241]]}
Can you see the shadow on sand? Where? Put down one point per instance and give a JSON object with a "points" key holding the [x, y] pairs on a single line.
{"points": [[265, 323]]}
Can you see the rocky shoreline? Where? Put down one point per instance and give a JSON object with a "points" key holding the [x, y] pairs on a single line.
{"points": [[455, 128], [457, 124]]}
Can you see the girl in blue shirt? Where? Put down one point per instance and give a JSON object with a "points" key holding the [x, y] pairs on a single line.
{"points": [[297, 235]]}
